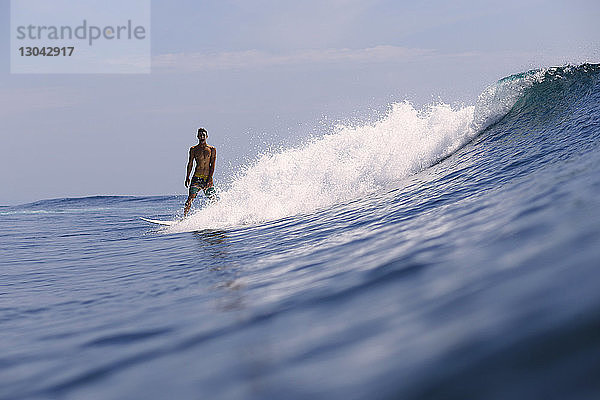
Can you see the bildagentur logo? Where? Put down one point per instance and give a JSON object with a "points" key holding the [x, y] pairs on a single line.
{"points": [[85, 31], [74, 36]]}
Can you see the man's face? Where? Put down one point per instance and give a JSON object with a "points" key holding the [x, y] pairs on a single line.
{"points": [[202, 136]]}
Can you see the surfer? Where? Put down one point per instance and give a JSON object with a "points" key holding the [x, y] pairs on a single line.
{"points": [[205, 157]]}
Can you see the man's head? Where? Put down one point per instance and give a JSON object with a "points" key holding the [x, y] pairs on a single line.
{"points": [[202, 134]]}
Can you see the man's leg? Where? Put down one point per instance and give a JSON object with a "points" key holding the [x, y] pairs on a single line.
{"points": [[188, 203], [211, 194]]}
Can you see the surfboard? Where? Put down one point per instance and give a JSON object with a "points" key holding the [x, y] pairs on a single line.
{"points": [[159, 222]]}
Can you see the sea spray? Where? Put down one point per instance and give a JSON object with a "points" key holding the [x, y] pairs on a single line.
{"points": [[351, 162]]}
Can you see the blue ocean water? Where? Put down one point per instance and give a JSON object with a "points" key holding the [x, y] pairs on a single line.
{"points": [[439, 253]]}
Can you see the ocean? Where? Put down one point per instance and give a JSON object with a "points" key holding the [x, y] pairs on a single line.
{"points": [[445, 252]]}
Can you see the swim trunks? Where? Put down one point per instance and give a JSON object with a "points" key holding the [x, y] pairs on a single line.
{"points": [[201, 182]]}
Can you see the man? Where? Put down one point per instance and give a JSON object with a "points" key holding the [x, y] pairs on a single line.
{"points": [[205, 157]]}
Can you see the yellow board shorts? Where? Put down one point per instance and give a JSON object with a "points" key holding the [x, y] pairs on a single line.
{"points": [[201, 182]]}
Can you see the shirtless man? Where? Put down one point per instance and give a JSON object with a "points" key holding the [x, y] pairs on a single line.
{"points": [[205, 157]]}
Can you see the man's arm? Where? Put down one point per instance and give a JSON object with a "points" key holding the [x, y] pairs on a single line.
{"points": [[190, 164], [211, 167]]}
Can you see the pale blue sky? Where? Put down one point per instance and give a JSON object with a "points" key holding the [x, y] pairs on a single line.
{"points": [[256, 72]]}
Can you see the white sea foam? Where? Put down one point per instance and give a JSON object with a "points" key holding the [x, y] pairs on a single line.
{"points": [[353, 161]]}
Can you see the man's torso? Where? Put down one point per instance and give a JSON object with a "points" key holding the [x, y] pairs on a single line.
{"points": [[202, 156]]}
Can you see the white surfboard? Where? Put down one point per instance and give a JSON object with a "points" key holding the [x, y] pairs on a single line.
{"points": [[159, 222]]}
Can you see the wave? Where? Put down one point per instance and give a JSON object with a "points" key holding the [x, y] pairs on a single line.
{"points": [[356, 161], [78, 203]]}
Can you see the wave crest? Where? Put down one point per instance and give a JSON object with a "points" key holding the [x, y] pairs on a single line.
{"points": [[356, 161]]}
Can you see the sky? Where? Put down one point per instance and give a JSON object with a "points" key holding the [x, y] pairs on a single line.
{"points": [[260, 74]]}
